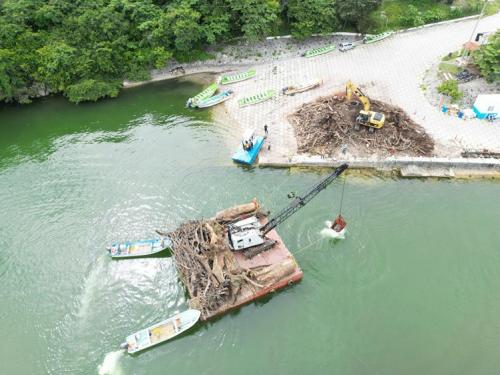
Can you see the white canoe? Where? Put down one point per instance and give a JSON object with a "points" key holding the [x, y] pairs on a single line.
{"points": [[329, 232], [161, 332]]}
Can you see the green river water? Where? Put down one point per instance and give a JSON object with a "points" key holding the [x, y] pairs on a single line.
{"points": [[414, 288]]}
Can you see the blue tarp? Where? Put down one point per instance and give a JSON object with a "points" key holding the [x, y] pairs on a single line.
{"points": [[248, 157]]}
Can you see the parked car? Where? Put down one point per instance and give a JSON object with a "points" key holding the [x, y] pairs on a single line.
{"points": [[346, 46]]}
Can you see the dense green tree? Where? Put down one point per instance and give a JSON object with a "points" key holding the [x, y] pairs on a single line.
{"points": [[487, 58], [353, 12], [256, 17], [412, 17], [307, 17]]}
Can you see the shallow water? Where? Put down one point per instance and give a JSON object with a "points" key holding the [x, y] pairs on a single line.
{"points": [[412, 289]]}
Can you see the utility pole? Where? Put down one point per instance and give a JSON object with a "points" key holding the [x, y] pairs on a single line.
{"points": [[464, 57], [478, 19]]}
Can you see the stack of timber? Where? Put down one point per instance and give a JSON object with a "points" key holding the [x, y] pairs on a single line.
{"points": [[219, 279]]}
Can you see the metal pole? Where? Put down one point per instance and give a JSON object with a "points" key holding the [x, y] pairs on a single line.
{"points": [[478, 19]]}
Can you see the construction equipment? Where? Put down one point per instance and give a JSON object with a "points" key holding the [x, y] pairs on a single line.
{"points": [[249, 236], [373, 120]]}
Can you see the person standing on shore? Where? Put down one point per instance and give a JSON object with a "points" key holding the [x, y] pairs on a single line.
{"points": [[266, 132]]}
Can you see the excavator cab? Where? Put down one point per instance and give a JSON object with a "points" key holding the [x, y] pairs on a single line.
{"points": [[372, 120]]}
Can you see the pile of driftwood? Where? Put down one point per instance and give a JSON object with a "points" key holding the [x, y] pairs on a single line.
{"points": [[208, 267], [323, 126]]}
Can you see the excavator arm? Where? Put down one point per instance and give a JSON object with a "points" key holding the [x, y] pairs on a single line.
{"points": [[351, 88], [366, 117]]}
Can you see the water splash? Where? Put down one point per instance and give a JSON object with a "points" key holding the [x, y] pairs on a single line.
{"points": [[110, 365], [330, 233]]}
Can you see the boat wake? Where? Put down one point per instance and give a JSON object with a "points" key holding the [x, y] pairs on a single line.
{"points": [[89, 286], [110, 365], [328, 232]]}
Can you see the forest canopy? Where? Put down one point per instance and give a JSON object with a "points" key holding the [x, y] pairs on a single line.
{"points": [[84, 49]]}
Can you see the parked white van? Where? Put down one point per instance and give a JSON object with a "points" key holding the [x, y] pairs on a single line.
{"points": [[346, 46]]}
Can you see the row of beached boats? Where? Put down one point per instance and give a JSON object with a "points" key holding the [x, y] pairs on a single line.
{"points": [[367, 39], [209, 98]]}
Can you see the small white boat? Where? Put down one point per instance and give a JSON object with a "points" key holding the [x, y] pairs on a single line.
{"points": [[329, 232], [161, 332], [142, 248]]}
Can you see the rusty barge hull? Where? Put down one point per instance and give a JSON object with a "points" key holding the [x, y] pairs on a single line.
{"points": [[278, 254]]}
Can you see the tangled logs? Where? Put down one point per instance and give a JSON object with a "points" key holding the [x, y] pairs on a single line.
{"points": [[208, 267], [321, 127]]}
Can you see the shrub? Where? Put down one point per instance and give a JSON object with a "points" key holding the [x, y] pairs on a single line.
{"points": [[412, 17], [434, 15], [487, 58], [450, 88], [91, 90]]}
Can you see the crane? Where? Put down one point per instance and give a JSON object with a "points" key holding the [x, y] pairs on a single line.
{"points": [[366, 117], [250, 236]]}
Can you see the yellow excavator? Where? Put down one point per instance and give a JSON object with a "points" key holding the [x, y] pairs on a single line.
{"points": [[373, 120]]}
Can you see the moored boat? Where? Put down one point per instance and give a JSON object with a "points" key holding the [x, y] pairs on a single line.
{"points": [[249, 148], [370, 38], [292, 90], [228, 79], [141, 248], [257, 98], [161, 332], [205, 94], [319, 51], [214, 100]]}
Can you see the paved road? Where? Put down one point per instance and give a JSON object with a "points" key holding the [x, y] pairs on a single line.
{"points": [[391, 70]]}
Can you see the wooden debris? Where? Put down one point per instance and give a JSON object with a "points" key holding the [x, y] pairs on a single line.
{"points": [[321, 127], [207, 266]]}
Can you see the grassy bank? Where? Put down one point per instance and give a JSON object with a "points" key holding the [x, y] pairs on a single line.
{"points": [[400, 14]]}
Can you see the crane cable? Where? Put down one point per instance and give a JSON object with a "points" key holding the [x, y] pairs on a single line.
{"points": [[342, 196]]}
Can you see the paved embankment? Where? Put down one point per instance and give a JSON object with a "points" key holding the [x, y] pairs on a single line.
{"points": [[405, 166], [390, 70]]}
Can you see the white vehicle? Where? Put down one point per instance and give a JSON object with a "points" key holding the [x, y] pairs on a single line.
{"points": [[346, 46]]}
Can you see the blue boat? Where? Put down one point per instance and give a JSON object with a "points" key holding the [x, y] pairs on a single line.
{"points": [[249, 148], [141, 248]]}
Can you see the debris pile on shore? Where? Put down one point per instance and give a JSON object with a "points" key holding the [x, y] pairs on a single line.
{"points": [[208, 267], [321, 127]]}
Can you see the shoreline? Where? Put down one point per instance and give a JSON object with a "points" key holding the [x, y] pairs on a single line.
{"points": [[404, 167], [385, 81]]}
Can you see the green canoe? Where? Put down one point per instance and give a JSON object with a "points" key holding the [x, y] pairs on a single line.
{"points": [[258, 98], [319, 51], [226, 80], [375, 38], [205, 94]]}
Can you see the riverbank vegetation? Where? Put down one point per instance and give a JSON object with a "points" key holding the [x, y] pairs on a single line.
{"points": [[487, 58], [85, 49]]}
